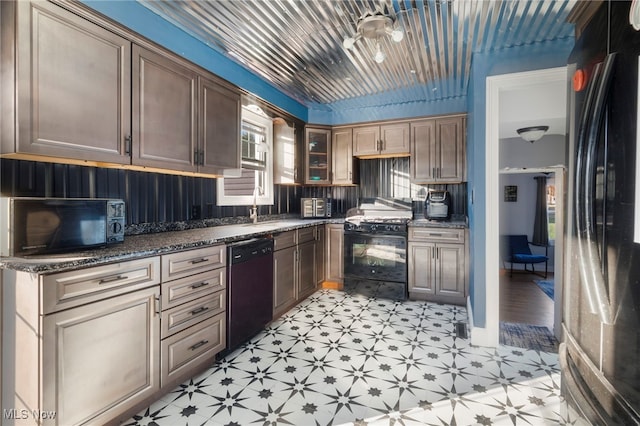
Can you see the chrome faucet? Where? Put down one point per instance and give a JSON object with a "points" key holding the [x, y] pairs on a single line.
{"points": [[253, 212]]}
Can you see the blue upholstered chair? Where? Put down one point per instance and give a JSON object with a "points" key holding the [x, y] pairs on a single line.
{"points": [[515, 249]]}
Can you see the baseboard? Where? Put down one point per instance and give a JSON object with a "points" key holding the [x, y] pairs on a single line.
{"points": [[332, 285], [480, 336]]}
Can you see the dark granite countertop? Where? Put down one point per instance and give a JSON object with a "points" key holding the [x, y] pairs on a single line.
{"points": [[455, 222], [144, 245]]}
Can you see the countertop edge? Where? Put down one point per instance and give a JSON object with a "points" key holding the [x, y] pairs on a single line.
{"points": [[157, 244], [149, 245]]}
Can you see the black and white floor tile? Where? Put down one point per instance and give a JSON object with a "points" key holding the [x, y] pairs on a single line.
{"points": [[348, 358]]}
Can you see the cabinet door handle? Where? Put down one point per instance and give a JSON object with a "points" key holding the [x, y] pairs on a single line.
{"points": [[195, 262], [197, 345], [202, 284], [200, 310], [127, 144], [112, 279], [435, 235]]}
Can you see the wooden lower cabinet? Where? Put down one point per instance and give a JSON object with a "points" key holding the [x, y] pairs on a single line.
{"points": [[306, 269], [284, 280], [437, 265], [89, 355], [101, 359], [321, 254], [294, 267], [335, 253]]}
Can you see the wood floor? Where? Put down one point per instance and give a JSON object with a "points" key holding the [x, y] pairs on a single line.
{"points": [[522, 301]]}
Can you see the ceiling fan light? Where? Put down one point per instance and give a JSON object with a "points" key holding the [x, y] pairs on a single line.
{"points": [[379, 57], [348, 42], [397, 34]]}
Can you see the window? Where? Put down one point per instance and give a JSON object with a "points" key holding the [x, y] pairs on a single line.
{"points": [[255, 181], [551, 210]]}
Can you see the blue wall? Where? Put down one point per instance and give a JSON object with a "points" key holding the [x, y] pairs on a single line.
{"points": [[525, 58], [354, 111]]}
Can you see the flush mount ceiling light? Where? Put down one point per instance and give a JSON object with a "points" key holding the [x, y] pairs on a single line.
{"points": [[532, 134], [374, 25]]}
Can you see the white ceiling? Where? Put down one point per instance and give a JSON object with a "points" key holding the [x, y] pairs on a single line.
{"points": [[538, 105]]}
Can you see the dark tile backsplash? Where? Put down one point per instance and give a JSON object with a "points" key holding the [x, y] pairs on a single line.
{"points": [[160, 198], [389, 178], [152, 197]]}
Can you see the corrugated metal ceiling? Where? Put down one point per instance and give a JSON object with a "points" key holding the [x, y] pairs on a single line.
{"points": [[297, 45]]}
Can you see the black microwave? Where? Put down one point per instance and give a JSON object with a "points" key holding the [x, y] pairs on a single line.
{"points": [[54, 225]]}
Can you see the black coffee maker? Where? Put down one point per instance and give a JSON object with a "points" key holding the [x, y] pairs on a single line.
{"points": [[437, 205]]}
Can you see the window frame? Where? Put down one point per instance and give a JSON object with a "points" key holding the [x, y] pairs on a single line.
{"points": [[261, 120]]}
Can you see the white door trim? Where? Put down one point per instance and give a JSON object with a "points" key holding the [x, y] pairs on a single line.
{"points": [[489, 335]]}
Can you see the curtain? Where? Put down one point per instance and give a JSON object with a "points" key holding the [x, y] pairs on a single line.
{"points": [[540, 223]]}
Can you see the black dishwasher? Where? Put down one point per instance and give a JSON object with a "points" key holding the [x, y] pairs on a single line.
{"points": [[249, 289]]}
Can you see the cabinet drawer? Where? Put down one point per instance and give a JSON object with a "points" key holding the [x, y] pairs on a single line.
{"points": [[186, 289], [185, 351], [75, 288], [284, 240], [185, 263], [306, 234], [436, 234], [184, 316]]}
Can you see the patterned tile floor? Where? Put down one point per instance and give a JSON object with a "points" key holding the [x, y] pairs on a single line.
{"points": [[357, 358]]}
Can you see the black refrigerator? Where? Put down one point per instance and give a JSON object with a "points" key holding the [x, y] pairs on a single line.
{"points": [[600, 354]]}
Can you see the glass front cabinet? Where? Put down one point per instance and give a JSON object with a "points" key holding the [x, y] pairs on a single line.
{"points": [[318, 156]]}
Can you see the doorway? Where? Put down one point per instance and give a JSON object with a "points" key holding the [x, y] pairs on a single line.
{"points": [[497, 87], [532, 299]]}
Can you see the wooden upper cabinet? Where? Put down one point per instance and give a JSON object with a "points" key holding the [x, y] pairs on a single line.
{"points": [[343, 164], [438, 150], [318, 156], [287, 156], [423, 150], [219, 127], [394, 139], [73, 85], [450, 132], [382, 140], [164, 112], [366, 140]]}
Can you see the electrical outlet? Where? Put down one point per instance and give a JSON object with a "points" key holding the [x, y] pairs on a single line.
{"points": [[196, 212]]}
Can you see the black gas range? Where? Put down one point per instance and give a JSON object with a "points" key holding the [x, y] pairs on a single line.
{"points": [[375, 246], [391, 226]]}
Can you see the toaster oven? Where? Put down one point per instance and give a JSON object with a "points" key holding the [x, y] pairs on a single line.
{"points": [[315, 207]]}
